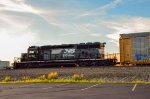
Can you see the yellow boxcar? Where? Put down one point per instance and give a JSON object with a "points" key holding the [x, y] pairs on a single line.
{"points": [[125, 50], [135, 48]]}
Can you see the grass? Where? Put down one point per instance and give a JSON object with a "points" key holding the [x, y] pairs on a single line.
{"points": [[70, 81]]}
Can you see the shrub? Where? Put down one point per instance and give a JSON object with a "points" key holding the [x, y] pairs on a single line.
{"points": [[26, 78], [77, 77], [7, 78], [53, 75], [42, 77]]}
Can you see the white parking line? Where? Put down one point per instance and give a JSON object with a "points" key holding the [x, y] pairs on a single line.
{"points": [[89, 87], [134, 87], [55, 86]]}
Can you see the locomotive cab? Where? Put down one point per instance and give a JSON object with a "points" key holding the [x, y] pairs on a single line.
{"points": [[33, 53]]}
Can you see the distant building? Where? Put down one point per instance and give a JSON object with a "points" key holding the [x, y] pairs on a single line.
{"points": [[4, 64]]}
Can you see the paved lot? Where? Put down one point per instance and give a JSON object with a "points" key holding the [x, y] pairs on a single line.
{"points": [[74, 91]]}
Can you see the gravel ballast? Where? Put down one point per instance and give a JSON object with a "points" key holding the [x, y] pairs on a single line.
{"points": [[96, 73]]}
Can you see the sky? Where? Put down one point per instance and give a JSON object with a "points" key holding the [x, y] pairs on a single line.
{"points": [[24, 23]]}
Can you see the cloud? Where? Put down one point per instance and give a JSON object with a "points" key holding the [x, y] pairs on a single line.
{"points": [[101, 10], [15, 37], [13, 46], [15, 28], [127, 25], [95, 34], [15, 25], [68, 34], [16, 5], [22, 7]]}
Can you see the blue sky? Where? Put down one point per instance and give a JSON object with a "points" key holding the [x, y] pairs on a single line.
{"points": [[24, 23]]}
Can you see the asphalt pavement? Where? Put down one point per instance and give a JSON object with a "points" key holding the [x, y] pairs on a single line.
{"points": [[74, 91]]}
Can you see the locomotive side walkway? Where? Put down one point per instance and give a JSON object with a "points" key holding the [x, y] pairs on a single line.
{"points": [[75, 91]]}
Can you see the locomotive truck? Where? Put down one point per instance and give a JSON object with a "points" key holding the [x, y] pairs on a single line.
{"points": [[83, 54]]}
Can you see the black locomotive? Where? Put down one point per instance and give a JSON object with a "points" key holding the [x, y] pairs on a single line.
{"points": [[83, 54]]}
